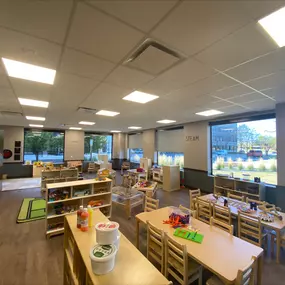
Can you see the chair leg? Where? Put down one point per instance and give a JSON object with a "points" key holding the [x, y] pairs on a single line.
{"points": [[200, 276]]}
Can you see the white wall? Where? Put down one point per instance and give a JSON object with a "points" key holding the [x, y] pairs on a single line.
{"points": [[196, 146], [280, 140], [119, 145], [148, 143], [12, 134], [74, 145]]}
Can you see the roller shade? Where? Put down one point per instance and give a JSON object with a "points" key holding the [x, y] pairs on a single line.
{"points": [[135, 141], [170, 141]]}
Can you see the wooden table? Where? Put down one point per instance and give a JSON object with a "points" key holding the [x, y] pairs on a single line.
{"points": [[220, 252], [131, 267], [149, 191], [137, 174], [277, 225]]}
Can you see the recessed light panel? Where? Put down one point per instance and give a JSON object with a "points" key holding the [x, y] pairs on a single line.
{"points": [[86, 123], [274, 25], [30, 72], [35, 118], [33, 103], [134, 128], [75, 128], [36, 126], [209, 113], [140, 97], [166, 121], [107, 113], [114, 131]]}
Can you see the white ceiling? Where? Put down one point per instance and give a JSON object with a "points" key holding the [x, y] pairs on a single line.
{"points": [[229, 63]]}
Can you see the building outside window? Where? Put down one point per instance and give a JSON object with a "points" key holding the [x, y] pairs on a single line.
{"points": [[245, 149], [135, 154], [171, 158], [95, 144], [46, 146]]}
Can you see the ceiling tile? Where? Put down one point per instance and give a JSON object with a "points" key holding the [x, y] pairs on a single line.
{"points": [[194, 25], [27, 49], [234, 109], [8, 101], [127, 77], [136, 12], [261, 66], [4, 81], [247, 43], [243, 99], [36, 112], [232, 91], [103, 36], [85, 65], [276, 94], [266, 104], [45, 19]]}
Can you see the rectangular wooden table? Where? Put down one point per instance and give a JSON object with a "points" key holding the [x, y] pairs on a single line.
{"points": [[220, 252], [277, 225], [131, 267], [149, 191]]}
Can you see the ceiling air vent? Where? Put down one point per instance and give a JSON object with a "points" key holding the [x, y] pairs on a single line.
{"points": [[153, 58], [11, 114], [87, 110]]}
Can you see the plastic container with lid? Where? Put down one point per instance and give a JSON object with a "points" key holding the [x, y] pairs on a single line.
{"points": [[103, 258], [107, 232]]}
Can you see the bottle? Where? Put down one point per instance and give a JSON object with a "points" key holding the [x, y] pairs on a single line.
{"points": [[84, 221], [90, 218], [79, 212]]}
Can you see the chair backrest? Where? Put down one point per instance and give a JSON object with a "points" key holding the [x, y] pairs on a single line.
{"points": [[126, 164], [155, 244], [192, 213], [235, 197], [248, 200], [245, 276], [176, 260], [193, 194], [223, 214], [91, 165], [150, 204], [249, 229], [226, 227], [204, 210]]}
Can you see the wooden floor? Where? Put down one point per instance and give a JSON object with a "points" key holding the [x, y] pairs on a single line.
{"points": [[27, 258]]}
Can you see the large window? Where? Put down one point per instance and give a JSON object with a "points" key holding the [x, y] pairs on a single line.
{"points": [[171, 158], [135, 154], [245, 149], [95, 144], [43, 146]]}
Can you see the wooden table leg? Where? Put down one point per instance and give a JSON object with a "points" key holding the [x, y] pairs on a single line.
{"points": [[128, 208], [259, 269], [138, 233], [278, 245]]}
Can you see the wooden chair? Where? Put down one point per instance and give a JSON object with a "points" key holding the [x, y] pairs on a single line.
{"points": [[249, 229], [226, 227], [150, 204], [235, 197], [193, 194], [91, 167], [192, 213], [248, 200], [177, 263], [223, 214], [204, 210], [245, 276], [155, 244]]}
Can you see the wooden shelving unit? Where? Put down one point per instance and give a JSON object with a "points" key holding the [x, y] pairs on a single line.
{"points": [[250, 189], [58, 175], [72, 195]]}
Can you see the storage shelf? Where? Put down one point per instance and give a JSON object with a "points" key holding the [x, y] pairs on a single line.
{"points": [[60, 215], [70, 264], [55, 231], [76, 198]]}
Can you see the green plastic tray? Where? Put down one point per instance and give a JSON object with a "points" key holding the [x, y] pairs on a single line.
{"points": [[188, 235]]}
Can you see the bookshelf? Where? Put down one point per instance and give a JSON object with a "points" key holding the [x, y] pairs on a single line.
{"points": [[64, 198]]}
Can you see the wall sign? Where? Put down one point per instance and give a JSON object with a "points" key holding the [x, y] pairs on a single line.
{"points": [[192, 138], [7, 153]]}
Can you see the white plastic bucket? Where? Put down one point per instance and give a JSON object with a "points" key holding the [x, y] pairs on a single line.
{"points": [[107, 232], [117, 242], [103, 258]]}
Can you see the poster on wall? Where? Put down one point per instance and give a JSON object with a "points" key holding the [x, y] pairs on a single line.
{"points": [[7, 153]]}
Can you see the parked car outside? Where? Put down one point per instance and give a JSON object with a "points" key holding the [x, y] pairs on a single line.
{"points": [[255, 153]]}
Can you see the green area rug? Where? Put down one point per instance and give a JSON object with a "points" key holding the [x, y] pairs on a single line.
{"points": [[32, 209]]}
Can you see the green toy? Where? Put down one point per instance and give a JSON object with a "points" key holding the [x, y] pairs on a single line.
{"points": [[194, 236]]}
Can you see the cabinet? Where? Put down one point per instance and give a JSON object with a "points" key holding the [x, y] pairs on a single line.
{"points": [[171, 177]]}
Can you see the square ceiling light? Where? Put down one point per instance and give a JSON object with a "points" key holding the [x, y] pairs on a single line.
{"points": [[36, 126], [35, 118], [274, 25], [107, 113], [114, 131], [86, 123], [75, 128], [33, 103], [166, 121], [30, 72], [134, 128], [209, 113], [140, 97]]}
